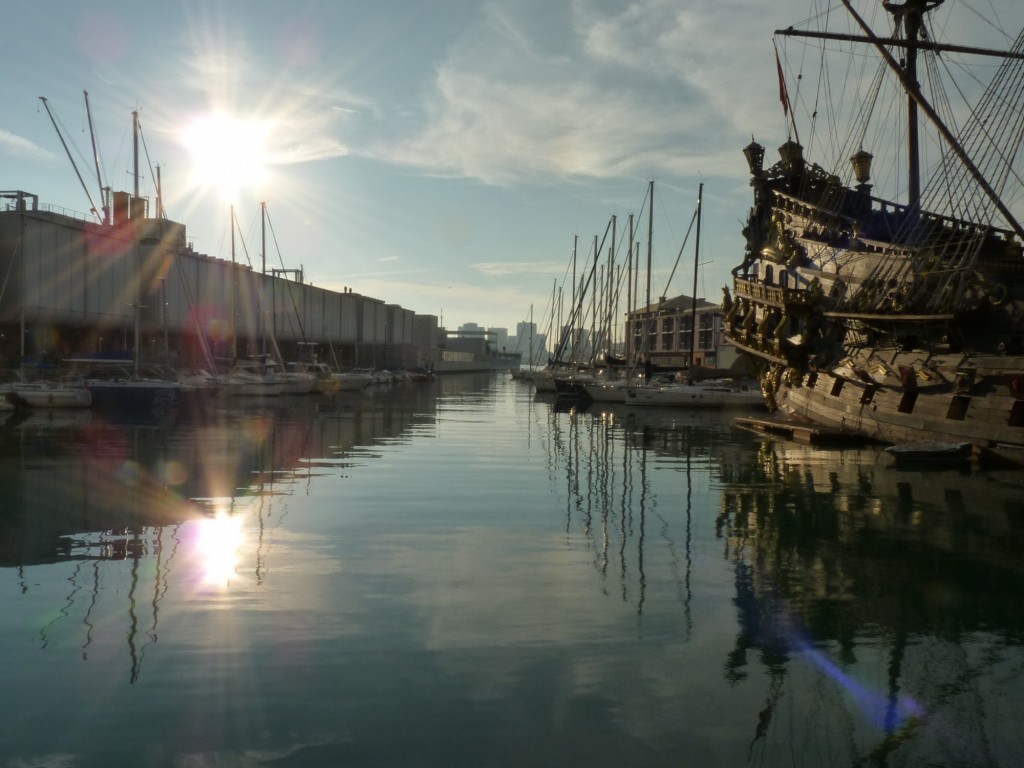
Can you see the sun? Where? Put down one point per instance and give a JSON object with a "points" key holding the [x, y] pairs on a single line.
{"points": [[229, 154]]}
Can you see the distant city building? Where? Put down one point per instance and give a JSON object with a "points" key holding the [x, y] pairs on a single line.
{"points": [[527, 337], [577, 345], [472, 347]]}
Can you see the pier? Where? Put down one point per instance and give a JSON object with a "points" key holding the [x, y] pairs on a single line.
{"points": [[803, 432]]}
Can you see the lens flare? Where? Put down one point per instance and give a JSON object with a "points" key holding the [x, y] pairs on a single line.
{"points": [[890, 713]]}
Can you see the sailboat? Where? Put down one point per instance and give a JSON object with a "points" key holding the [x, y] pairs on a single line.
{"points": [[900, 320], [262, 375], [722, 393]]}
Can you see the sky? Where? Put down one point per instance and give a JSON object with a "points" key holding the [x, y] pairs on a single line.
{"points": [[444, 156]]}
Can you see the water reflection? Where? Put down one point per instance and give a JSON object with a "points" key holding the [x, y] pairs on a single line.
{"points": [[134, 512], [612, 586], [881, 604], [65, 478], [877, 608], [607, 455]]}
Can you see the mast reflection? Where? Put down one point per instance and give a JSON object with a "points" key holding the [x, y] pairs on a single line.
{"points": [[128, 512], [606, 455], [890, 597]]}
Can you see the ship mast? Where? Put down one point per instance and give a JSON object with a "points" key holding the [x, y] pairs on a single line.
{"points": [[911, 12], [918, 8], [135, 150]]}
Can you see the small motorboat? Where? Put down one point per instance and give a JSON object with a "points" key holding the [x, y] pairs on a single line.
{"points": [[930, 452]]}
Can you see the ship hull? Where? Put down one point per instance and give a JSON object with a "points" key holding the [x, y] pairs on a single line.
{"points": [[986, 412]]}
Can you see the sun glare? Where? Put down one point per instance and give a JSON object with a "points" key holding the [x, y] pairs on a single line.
{"points": [[220, 538], [228, 154]]}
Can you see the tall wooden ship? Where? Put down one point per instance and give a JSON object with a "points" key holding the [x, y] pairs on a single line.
{"points": [[900, 320]]}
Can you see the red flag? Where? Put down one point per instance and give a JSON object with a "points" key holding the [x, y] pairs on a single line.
{"points": [[783, 93]]}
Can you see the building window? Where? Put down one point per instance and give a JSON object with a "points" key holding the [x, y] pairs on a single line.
{"points": [[706, 333]]}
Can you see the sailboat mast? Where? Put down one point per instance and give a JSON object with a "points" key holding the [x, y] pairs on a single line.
{"points": [[609, 321], [531, 338], [696, 267], [160, 212], [575, 241], [135, 150], [629, 293], [263, 279], [556, 317], [649, 315], [234, 291], [594, 327], [650, 239]]}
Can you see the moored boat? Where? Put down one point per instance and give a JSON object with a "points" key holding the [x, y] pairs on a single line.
{"points": [[296, 382], [902, 320], [608, 390], [353, 381], [131, 394], [710, 394], [926, 453], [252, 378], [48, 394]]}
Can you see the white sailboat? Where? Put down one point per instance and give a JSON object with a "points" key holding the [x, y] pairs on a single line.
{"points": [[720, 393]]}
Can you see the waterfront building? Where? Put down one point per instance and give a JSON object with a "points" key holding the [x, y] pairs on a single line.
{"points": [[664, 333], [133, 285], [499, 337]]}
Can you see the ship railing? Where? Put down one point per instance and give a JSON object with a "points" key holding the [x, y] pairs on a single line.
{"points": [[20, 207], [892, 216], [817, 212], [771, 294]]}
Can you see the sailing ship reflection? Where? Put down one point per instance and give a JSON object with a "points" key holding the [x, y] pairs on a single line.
{"points": [[883, 605]]}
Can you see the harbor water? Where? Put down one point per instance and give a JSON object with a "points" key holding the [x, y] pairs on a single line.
{"points": [[461, 573]]}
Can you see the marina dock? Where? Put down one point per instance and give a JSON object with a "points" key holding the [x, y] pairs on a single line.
{"points": [[803, 432]]}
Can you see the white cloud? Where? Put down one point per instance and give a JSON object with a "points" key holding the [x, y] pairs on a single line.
{"points": [[649, 90], [506, 268], [17, 146]]}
